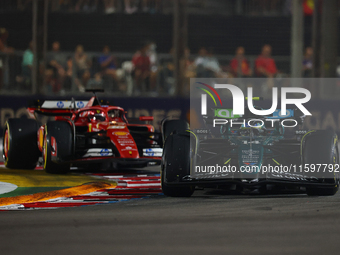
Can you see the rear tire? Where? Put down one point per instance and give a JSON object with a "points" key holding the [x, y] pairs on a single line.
{"points": [[177, 157], [321, 147], [63, 134], [20, 144]]}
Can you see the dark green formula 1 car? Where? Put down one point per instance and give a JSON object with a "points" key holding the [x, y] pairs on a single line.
{"points": [[254, 155]]}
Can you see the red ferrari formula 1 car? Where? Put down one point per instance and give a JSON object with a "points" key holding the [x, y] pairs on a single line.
{"points": [[83, 133]]}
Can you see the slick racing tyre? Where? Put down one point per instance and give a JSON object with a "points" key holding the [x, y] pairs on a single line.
{"points": [[177, 155], [169, 126], [62, 132], [20, 149], [321, 147]]}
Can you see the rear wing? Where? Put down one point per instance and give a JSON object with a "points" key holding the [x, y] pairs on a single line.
{"points": [[55, 107], [50, 104]]}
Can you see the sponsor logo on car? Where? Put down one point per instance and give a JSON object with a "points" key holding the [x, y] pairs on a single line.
{"points": [[120, 133], [116, 127], [152, 152], [104, 152], [80, 104], [97, 152], [125, 141], [149, 152], [60, 104], [129, 148]]}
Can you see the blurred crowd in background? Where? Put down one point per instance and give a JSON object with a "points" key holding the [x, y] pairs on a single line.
{"points": [[142, 71], [224, 7]]}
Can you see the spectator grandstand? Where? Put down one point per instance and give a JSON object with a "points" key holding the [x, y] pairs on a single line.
{"points": [[82, 58], [201, 7]]}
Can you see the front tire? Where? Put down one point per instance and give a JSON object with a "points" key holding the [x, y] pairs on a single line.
{"points": [[174, 191], [171, 126], [20, 149], [177, 155], [62, 132], [321, 147]]}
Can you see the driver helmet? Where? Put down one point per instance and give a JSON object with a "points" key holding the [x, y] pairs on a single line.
{"points": [[245, 129], [97, 116], [114, 114]]}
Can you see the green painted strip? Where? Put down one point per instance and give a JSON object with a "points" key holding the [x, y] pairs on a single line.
{"points": [[29, 190]]}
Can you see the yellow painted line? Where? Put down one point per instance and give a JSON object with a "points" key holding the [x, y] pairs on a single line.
{"points": [[36, 178], [276, 161], [227, 161], [43, 196]]}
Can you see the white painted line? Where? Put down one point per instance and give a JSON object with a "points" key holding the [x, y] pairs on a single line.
{"points": [[6, 187], [143, 185], [12, 207]]}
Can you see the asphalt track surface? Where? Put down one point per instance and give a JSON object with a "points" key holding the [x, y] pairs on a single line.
{"points": [[210, 222]]}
